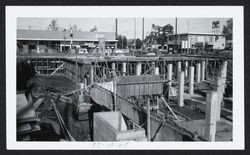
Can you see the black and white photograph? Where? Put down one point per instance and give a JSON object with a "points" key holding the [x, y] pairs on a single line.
{"points": [[125, 81]]}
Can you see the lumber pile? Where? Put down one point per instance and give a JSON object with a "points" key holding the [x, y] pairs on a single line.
{"points": [[27, 120]]}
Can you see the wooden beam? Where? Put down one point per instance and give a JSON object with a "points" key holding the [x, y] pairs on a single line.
{"points": [[57, 69]]}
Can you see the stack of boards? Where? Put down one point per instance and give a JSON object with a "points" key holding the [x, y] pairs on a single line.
{"points": [[27, 120]]}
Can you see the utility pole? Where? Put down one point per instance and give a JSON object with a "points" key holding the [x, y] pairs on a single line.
{"points": [[135, 34], [142, 28], [175, 49], [116, 27], [142, 31], [122, 42]]}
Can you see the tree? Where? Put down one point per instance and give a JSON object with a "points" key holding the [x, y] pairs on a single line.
{"points": [[74, 28], [53, 25], [138, 43], [131, 43], [228, 29], [159, 34], [122, 41], [93, 29]]}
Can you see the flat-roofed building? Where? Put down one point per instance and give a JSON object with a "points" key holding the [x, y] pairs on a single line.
{"points": [[48, 41], [193, 40]]}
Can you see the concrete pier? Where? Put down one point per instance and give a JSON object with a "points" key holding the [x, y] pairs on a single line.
{"points": [[138, 68], [179, 66], [211, 104], [113, 66], [148, 120], [203, 69], [219, 96], [157, 71], [191, 80], [180, 89], [170, 73], [124, 68], [91, 74], [198, 72], [223, 75], [186, 68]]}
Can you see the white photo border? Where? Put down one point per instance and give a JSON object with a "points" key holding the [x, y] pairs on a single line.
{"points": [[235, 12]]}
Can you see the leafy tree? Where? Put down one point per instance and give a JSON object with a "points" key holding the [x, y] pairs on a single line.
{"points": [[74, 28], [228, 29], [138, 43], [53, 25], [159, 34], [93, 29], [122, 41]]}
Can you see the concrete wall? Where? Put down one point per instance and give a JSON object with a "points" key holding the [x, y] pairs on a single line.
{"points": [[110, 126]]}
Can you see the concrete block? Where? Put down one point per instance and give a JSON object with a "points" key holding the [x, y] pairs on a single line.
{"points": [[110, 126]]}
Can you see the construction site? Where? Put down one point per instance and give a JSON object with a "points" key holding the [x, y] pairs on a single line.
{"points": [[97, 96]]}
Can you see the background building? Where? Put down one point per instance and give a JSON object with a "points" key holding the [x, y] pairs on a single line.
{"points": [[48, 41], [200, 41]]}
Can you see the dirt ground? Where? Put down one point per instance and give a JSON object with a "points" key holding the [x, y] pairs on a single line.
{"points": [[51, 131]]}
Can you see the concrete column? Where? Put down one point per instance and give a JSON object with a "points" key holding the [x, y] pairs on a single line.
{"points": [[186, 68], [148, 120], [178, 66], [181, 88], [223, 75], [113, 66], [203, 69], [91, 75], [219, 96], [157, 72], [191, 80], [170, 73], [124, 68], [138, 68], [211, 104], [198, 72]]}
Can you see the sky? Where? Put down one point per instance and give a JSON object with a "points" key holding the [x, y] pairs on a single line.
{"points": [[126, 26]]}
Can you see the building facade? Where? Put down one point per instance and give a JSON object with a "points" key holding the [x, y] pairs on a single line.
{"points": [[48, 41], [197, 41]]}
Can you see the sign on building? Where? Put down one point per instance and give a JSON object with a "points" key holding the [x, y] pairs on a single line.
{"points": [[216, 27]]}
